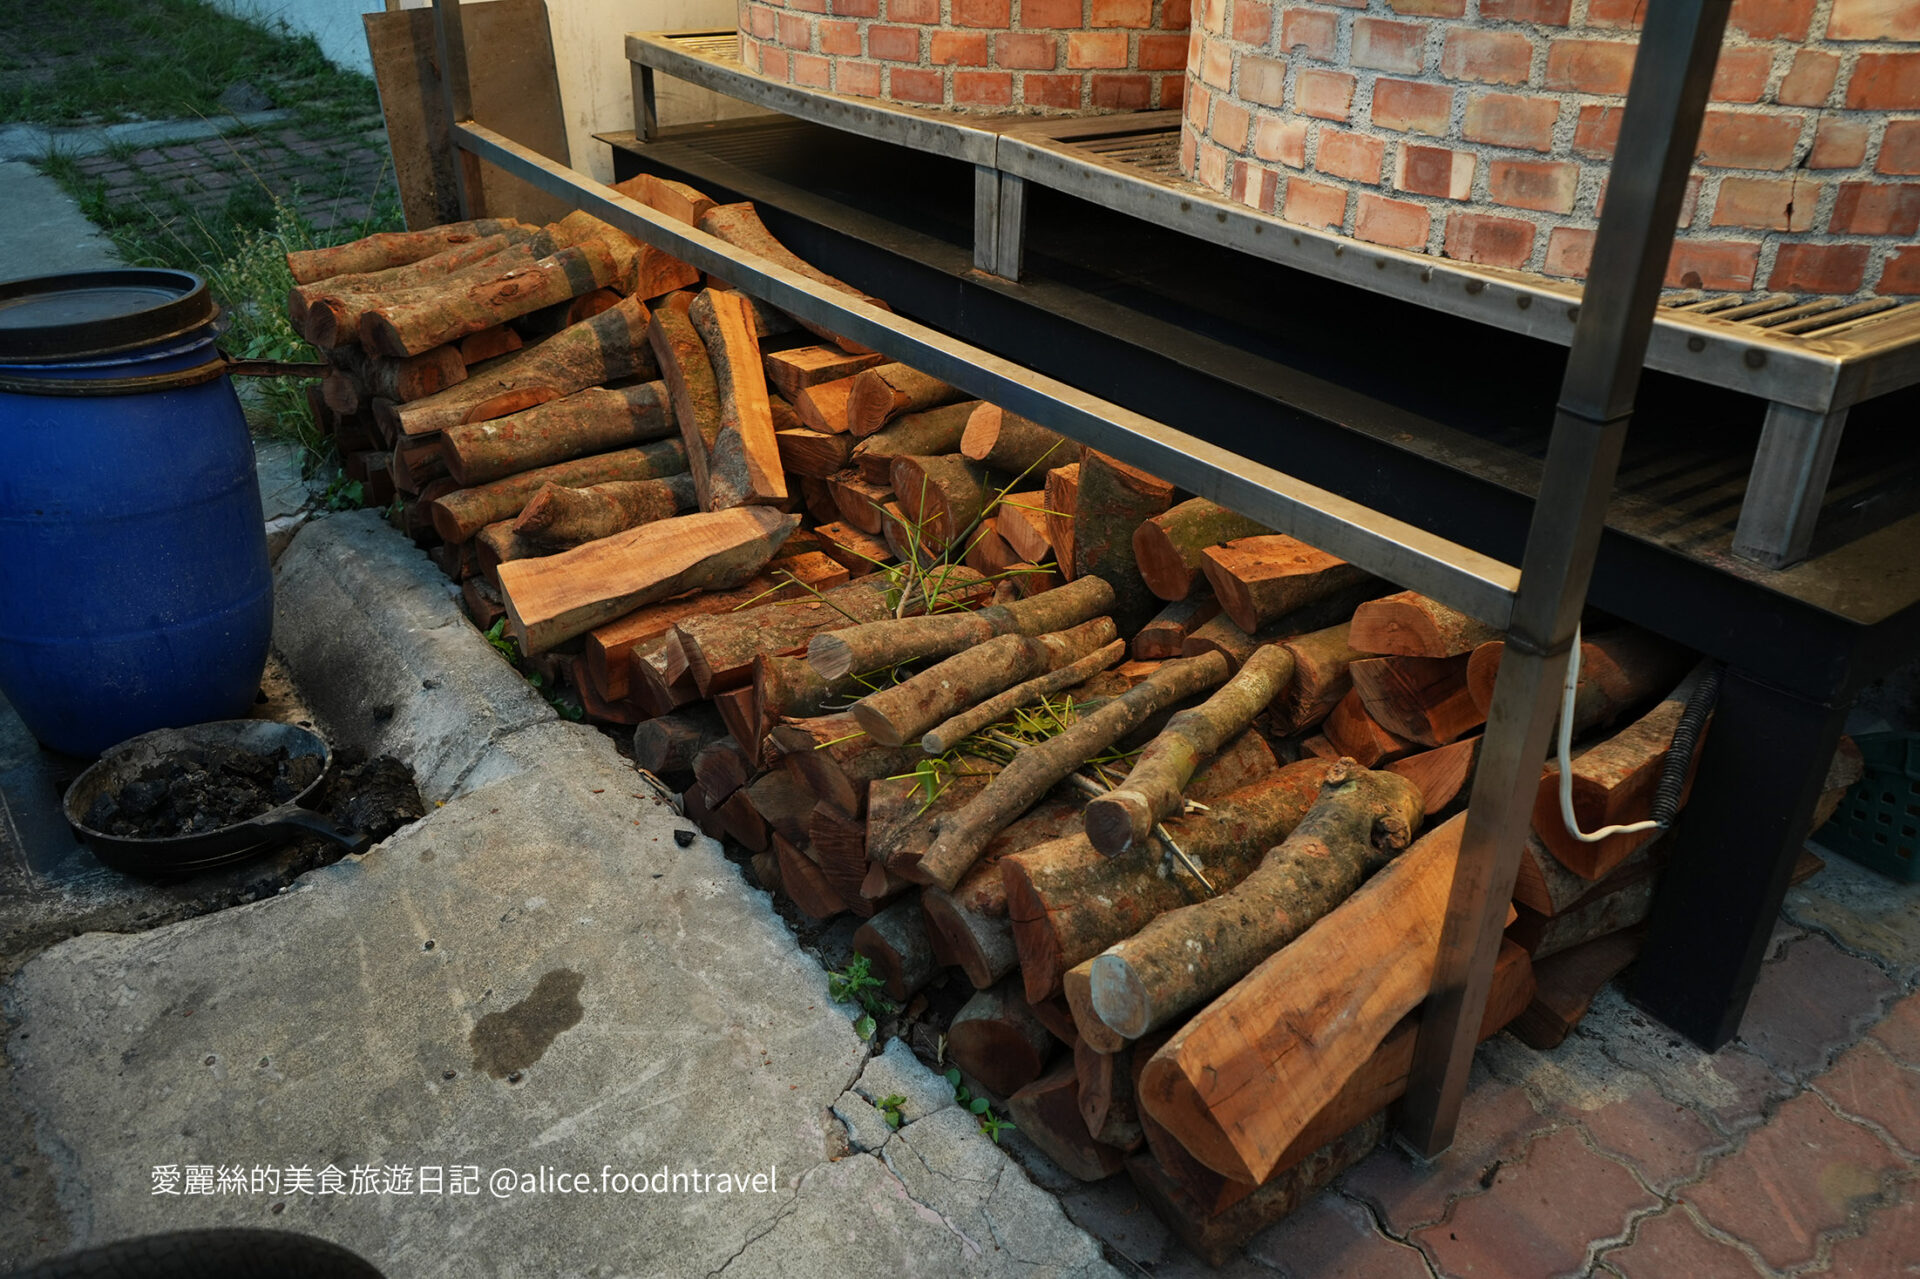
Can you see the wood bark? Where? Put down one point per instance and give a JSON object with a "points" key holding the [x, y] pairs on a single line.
{"points": [[861, 502], [1170, 547], [691, 383], [1443, 774], [1076, 987], [327, 311], [459, 515], [1187, 956], [1007, 442], [1155, 786], [388, 249], [1067, 902], [563, 517], [996, 1039], [340, 324], [1423, 700], [1039, 767], [744, 467], [425, 318], [887, 391], [668, 744], [740, 226], [1021, 519], [898, 714], [837, 760], [944, 495], [926, 434], [498, 544], [1112, 500], [610, 346], [1047, 1113], [591, 421], [1411, 625], [951, 732], [1360, 737], [875, 645], [1262, 579], [895, 944], [554, 598], [971, 922], [1106, 1097], [793, 371]]}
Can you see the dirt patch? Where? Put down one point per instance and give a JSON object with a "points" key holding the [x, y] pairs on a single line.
{"points": [[202, 789], [375, 796]]}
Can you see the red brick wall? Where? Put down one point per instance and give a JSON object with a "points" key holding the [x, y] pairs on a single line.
{"points": [[1482, 130], [1042, 56]]}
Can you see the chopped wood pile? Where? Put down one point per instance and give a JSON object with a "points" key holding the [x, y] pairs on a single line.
{"points": [[1178, 796]]}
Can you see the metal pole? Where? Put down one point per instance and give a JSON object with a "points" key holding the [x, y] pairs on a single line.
{"points": [[1667, 96], [456, 99]]}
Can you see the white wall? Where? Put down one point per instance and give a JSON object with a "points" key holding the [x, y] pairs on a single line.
{"points": [[589, 53]]}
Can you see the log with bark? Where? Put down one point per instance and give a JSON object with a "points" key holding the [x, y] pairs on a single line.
{"points": [[1187, 956], [458, 515], [743, 467], [740, 226], [877, 645], [996, 1039], [667, 745], [943, 496], [1155, 787], [1423, 700], [951, 732], [1007, 442], [1166, 634], [861, 552], [1411, 625], [887, 391], [1360, 737], [691, 383], [1047, 1112], [554, 598], [591, 421], [895, 944], [1021, 519], [386, 249], [811, 453], [1262, 579], [1619, 670], [479, 299], [929, 434], [782, 802], [1615, 904], [900, 713], [832, 755], [608, 347], [327, 312], [1112, 500], [798, 368], [861, 502], [562, 517], [1076, 987], [1106, 1096], [804, 884], [970, 924], [1039, 767], [1170, 547]]}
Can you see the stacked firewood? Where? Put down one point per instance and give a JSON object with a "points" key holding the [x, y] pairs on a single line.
{"points": [[1179, 797]]}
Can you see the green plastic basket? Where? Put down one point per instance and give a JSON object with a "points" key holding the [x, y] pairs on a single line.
{"points": [[1878, 823]]}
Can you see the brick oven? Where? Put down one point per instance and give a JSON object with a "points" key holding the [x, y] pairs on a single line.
{"points": [[1036, 56], [1482, 130]]}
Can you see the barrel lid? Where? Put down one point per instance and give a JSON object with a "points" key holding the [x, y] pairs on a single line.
{"points": [[88, 313]]}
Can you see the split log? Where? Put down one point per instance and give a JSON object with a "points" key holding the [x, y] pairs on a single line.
{"points": [[817, 497], [743, 823], [1187, 956], [415, 466], [1167, 632], [552, 599], [793, 371], [944, 496], [1062, 497], [950, 733], [766, 872], [1041, 766], [1262, 579], [927, 434], [895, 944], [877, 645], [1443, 774], [1266, 1058], [1619, 669], [677, 200], [1170, 547], [1057, 1018], [610, 346], [1411, 625], [1357, 735], [812, 453], [823, 406], [1021, 519], [744, 466], [897, 715], [387, 249], [997, 1040], [782, 802], [1067, 902], [1620, 901], [1566, 984], [1155, 786], [1106, 1097], [1423, 700], [722, 767], [740, 226], [607, 647], [425, 318], [459, 515], [586, 422], [860, 552], [837, 760], [667, 745], [1112, 501], [741, 714], [971, 922], [691, 383], [565, 517], [649, 683], [837, 844], [1047, 1113], [887, 391], [1847, 767], [1320, 678], [1008, 442], [804, 885], [861, 502], [1613, 784]]}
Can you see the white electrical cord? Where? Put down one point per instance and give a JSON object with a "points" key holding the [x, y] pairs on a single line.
{"points": [[1566, 760]]}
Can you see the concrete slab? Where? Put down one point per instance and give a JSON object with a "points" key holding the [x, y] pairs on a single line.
{"points": [[44, 232], [385, 658]]}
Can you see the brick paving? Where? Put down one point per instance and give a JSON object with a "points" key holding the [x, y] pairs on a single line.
{"points": [[1626, 1153]]}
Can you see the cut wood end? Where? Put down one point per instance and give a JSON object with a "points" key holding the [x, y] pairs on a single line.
{"points": [[877, 725], [1117, 821], [1119, 1000], [830, 656]]}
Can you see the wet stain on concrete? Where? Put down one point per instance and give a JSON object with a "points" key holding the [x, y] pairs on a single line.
{"points": [[516, 1037]]}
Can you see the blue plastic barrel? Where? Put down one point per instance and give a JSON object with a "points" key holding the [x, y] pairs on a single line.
{"points": [[135, 591]]}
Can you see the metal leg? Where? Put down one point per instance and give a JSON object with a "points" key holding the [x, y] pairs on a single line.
{"points": [[1734, 847], [1011, 239], [456, 96], [1665, 102], [646, 107], [986, 218], [1789, 478]]}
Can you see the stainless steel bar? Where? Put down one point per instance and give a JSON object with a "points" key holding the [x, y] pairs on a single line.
{"points": [[1790, 473], [1011, 248], [1463, 578], [1665, 101], [456, 99], [646, 103], [986, 218]]}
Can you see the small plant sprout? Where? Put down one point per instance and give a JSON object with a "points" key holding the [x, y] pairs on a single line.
{"points": [[889, 1107], [855, 984], [991, 1125]]}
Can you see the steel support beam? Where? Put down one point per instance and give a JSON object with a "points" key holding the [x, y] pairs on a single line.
{"points": [[456, 99], [1665, 102]]}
